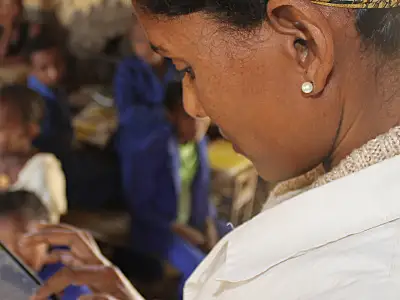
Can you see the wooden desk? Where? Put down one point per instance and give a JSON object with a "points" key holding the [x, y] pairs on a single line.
{"points": [[234, 182]]}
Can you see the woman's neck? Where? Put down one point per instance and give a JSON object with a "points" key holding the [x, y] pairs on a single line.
{"points": [[370, 108]]}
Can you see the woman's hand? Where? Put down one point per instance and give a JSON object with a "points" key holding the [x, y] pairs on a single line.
{"points": [[84, 264]]}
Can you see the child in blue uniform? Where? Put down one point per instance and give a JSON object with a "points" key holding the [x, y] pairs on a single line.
{"points": [[166, 183], [92, 174]]}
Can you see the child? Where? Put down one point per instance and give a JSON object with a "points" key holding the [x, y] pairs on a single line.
{"points": [[92, 174], [21, 167], [166, 180], [19, 211], [47, 72]]}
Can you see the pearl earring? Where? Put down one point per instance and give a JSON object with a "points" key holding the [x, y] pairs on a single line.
{"points": [[307, 87]]}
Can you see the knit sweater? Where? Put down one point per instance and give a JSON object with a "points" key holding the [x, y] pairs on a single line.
{"points": [[383, 147]]}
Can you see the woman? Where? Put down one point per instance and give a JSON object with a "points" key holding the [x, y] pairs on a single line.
{"points": [[309, 83]]}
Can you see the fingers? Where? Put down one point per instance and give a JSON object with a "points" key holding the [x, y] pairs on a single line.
{"points": [[91, 276], [80, 243], [65, 257], [56, 237]]}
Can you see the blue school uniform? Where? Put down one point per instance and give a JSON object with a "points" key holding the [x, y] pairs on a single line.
{"points": [[136, 82], [151, 188], [150, 162], [92, 176], [56, 130], [72, 292]]}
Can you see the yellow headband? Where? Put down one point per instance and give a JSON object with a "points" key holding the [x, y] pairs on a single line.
{"points": [[359, 3]]}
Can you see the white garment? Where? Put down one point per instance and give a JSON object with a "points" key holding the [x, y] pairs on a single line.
{"points": [[340, 241], [43, 176], [275, 200]]}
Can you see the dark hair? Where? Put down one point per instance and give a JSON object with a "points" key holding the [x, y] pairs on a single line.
{"points": [[174, 96], [41, 42], [25, 101], [23, 204], [379, 28]]}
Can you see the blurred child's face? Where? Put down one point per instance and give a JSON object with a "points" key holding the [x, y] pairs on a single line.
{"points": [[141, 45], [14, 135], [188, 128], [48, 66], [10, 8], [11, 231]]}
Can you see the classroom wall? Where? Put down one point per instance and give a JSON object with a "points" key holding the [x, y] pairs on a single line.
{"points": [[90, 23]]}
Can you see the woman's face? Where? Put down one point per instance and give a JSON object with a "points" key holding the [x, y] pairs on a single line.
{"points": [[250, 86]]}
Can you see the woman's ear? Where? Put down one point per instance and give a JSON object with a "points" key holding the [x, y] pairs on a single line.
{"points": [[310, 40]]}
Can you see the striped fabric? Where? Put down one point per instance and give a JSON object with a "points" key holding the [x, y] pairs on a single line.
{"points": [[358, 3]]}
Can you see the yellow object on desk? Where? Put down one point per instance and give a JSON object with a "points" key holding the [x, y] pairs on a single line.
{"points": [[224, 158], [95, 124], [234, 182]]}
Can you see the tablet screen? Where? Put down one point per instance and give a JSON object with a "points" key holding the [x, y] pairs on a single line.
{"points": [[15, 282]]}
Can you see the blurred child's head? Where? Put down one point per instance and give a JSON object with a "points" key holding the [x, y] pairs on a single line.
{"points": [[12, 8], [19, 212], [21, 111], [46, 60], [187, 128], [141, 45]]}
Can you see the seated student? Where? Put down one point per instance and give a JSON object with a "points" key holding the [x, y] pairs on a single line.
{"points": [[92, 174], [166, 186], [21, 166], [15, 32], [47, 72], [19, 211]]}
